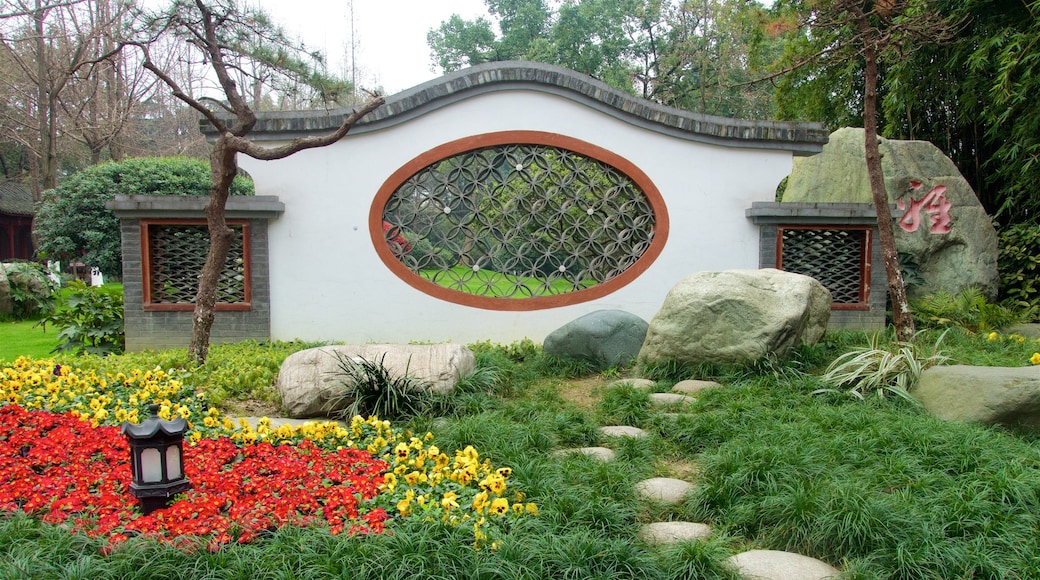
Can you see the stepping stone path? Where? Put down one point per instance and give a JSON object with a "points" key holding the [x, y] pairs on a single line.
{"points": [[668, 399], [641, 384], [776, 565], [661, 533], [751, 565], [666, 489], [690, 386], [622, 431], [600, 453]]}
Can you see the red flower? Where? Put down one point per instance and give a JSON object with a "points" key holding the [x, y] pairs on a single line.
{"points": [[59, 468]]}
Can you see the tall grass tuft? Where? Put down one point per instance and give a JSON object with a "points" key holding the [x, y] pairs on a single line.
{"points": [[881, 369], [375, 390]]}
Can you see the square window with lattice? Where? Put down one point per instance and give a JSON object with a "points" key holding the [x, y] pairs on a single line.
{"points": [[838, 257], [174, 253]]}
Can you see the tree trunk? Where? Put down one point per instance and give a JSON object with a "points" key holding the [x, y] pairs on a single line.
{"points": [[45, 104], [223, 165], [901, 317]]}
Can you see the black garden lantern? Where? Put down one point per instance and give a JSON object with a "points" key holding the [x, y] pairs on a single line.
{"points": [[156, 459]]}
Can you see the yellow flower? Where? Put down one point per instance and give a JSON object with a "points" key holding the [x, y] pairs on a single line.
{"points": [[992, 336], [1035, 359], [532, 509], [450, 500], [480, 502], [500, 506]]}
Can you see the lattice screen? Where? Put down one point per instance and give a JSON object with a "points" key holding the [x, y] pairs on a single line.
{"points": [[177, 254], [835, 257], [518, 221]]}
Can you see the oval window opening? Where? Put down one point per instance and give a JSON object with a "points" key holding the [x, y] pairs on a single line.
{"points": [[512, 225]]}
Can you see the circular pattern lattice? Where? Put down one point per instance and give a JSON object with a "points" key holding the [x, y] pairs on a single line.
{"points": [[518, 221]]}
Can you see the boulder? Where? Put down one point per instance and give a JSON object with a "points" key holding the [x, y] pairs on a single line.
{"points": [[948, 257], [777, 565], [1008, 396], [604, 338], [310, 382], [737, 316]]}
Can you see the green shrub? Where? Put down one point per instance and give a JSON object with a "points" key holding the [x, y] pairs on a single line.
{"points": [[32, 289], [969, 310], [1020, 267], [72, 223], [90, 320]]}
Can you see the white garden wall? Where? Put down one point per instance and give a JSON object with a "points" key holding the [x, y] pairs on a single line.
{"points": [[327, 281]]}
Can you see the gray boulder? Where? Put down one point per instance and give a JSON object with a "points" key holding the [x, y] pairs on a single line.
{"points": [[604, 338], [1007, 396], [310, 382], [963, 256], [737, 316]]}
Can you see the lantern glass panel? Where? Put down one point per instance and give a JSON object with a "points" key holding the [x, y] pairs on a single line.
{"points": [[151, 465], [173, 463]]}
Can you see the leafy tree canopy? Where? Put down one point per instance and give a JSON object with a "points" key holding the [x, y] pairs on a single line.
{"points": [[72, 223], [691, 55]]}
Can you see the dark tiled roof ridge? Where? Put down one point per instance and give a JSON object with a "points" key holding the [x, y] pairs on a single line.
{"points": [[528, 75], [15, 199]]}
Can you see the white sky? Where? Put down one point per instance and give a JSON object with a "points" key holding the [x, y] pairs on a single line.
{"points": [[390, 34]]}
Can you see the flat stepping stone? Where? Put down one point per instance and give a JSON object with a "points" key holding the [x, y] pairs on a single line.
{"points": [[777, 565], [666, 489], [602, 453], [668, 399], [691, 386], [641, 384], [662, 533], [622, 431]]}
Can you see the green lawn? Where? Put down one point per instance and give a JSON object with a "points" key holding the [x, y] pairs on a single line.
{"points": [[498, 285], [21, 339]]}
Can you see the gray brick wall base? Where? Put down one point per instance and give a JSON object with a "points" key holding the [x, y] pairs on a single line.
{"points": [[770, 216], [154, 330]]}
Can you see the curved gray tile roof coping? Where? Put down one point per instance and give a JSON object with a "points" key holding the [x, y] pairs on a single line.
{"points": [[801, 138]]}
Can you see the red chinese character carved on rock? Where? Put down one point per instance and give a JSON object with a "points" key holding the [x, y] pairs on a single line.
{"points": [[934, 203]]}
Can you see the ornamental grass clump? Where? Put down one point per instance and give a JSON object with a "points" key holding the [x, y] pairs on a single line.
{"points": [[881, 369], [375, 390]]}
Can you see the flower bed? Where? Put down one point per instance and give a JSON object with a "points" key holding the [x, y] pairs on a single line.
{"points": [[62, 459]]}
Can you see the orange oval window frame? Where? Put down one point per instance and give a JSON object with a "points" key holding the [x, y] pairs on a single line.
{"points": [[442, 152]]}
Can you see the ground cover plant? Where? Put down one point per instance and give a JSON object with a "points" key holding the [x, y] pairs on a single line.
{"points": [[875, 487]]}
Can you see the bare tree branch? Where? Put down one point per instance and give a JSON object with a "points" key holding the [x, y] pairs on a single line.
{"points": [[267, 154]]}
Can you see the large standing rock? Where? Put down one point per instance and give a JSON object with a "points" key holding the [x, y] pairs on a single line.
{"points": [[1007, 396], [737, 316], [310, 380], [964, 256], [604, 338]]}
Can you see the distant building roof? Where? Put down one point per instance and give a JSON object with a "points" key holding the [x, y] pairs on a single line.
{"points": [[15, 199]]}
